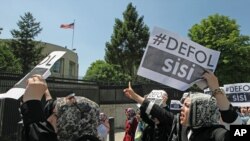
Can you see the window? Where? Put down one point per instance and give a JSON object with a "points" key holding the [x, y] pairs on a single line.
{"points": [[58, 66], [72, 68]]}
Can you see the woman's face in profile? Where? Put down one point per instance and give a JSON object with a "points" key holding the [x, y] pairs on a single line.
{"points": [[184, 115]]}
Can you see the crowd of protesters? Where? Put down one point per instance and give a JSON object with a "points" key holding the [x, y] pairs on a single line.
{"points": [[202, 116], [72, 118]]}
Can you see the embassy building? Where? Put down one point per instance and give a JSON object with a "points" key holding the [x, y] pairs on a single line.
{"points": [[65, 67]]}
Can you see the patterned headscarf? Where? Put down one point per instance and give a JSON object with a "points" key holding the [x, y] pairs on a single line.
{"points": [[77, 118], [131, 113], [203, 111]]}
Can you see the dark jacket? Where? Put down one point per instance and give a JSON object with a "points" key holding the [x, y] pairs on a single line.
{"points": [[154, 132], [36, 127]]}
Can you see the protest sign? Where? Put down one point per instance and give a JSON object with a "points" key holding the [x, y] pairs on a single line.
{"points": [[175, 61], [238, 94], [43, 68], [155, 96], [207, 91], [175, 105]]}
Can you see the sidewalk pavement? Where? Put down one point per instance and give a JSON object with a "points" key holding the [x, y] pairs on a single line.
{"points": [[119, 134]]}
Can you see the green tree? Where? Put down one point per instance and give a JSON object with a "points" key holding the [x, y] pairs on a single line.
{"points": [[102, 71], [23, 44], [221, 33], [8, 61], [128, 42]]}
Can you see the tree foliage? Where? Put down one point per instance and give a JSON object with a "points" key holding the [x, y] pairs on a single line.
{"points": [[221, 33], [7, 60], [23, 44], [128, 42], [102, 71]]}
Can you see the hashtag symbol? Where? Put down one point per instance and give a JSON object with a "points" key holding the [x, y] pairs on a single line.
{"points": [[159, 39], [227, 89]]}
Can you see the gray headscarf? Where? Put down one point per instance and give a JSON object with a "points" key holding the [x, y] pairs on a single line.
{"points": [[203, 111]]}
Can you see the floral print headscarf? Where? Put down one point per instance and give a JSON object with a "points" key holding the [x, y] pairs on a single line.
{"points": [[77, 116], [203, 111]]}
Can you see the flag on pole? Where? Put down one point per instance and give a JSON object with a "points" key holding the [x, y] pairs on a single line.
{"points": [[67, 26]]}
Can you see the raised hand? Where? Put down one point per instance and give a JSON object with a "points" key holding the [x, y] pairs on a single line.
{"points": [[129, 92], [213, 83], [212, 80], [35, 89]]}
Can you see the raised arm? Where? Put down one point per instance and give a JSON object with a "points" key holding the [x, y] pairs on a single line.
{"points": [[36, 126], [228, 114], [129, 92], [148, 107], [213, 83], [35, 88]]}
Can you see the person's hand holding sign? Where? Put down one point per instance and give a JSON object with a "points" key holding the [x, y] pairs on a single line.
{"points": [[129, 92], [35, 89], [212, 80], [213, 84]]}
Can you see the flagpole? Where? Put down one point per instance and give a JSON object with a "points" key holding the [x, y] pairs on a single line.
{"points": [[72, 43]]}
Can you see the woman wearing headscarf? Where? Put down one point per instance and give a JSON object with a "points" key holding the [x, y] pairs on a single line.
{"points": [[68, 118], [130, 125], [103, 128], [199, 117]]}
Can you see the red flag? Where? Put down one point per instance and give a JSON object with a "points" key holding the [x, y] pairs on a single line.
{"points": [[67, 26]]}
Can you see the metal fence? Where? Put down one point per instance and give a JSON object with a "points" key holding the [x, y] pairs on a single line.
{"points": [[100, 93]]}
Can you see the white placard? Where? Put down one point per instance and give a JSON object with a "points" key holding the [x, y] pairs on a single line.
{"points": [[155, 96], [175, 61], [238, 94], [43, 68], [175, 105]]}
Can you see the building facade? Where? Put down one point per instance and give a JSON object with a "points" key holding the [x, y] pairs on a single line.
{"points": [[67, 66]]}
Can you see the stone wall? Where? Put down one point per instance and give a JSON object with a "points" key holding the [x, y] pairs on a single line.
{"points": [[118, 112]]}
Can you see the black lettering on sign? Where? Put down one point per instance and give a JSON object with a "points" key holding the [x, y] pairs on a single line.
{"points": [[47, 60], [156, 95], [188, 50], [238, 88]]}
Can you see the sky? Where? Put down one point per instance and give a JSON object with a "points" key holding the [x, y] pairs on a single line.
{"points": [[94, 20]]}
